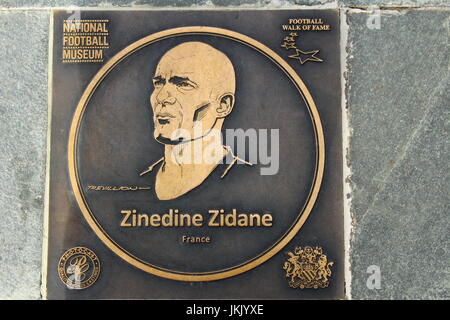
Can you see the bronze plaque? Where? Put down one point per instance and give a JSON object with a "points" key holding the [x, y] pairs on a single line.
{"points": [[195, 155]]}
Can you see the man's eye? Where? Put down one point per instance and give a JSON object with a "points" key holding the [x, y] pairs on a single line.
{"points": [[185, 84], [158, 83]]}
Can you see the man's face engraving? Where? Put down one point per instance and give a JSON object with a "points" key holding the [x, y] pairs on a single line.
{"points": [[194, 87]]}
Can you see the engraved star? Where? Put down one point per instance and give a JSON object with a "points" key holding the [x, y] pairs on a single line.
{"points": [[293, 34], [289, 39], [310, 56], [289, 45]]}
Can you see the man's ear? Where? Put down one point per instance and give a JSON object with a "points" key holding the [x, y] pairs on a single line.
{"points": [[226, 103]]}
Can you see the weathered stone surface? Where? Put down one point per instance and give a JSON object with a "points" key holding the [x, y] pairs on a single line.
{"points": [[395, 3], [95, 3], [161, 3], [219, 3], [23, 129], [398, 101]]}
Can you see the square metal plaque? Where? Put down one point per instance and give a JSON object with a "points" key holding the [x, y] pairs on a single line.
{"points": [[195, 155]]}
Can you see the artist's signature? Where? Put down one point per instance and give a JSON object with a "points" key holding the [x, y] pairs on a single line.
{"points": [[117, 188]]}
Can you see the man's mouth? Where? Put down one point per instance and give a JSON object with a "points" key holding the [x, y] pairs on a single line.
{"points": [[164, 118]]}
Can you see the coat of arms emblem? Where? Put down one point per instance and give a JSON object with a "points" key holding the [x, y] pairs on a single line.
{"points": [[308, 268]]}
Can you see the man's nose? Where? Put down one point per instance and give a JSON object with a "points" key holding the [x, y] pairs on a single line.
{"points": [[164, 96]]}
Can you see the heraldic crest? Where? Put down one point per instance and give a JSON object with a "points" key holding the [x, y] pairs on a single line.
{"points": [[308, 268]]}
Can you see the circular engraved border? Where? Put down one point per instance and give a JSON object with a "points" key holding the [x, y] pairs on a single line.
{"points": [[172, 274], [70, 253]]}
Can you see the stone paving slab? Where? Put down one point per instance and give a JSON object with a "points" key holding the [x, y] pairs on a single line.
{"points": [[398, 99], [23, 130], [163, 3], [394, 3], [221, 3]]}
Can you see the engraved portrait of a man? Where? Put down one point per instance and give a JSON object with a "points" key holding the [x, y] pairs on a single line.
{"points": [[194, 91]]}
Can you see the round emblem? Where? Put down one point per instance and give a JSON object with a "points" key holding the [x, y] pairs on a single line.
{"points": [[79, 268], [213, 222]]}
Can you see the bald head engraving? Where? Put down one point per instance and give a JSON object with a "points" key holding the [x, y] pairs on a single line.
{"points": [[194, 84]]}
